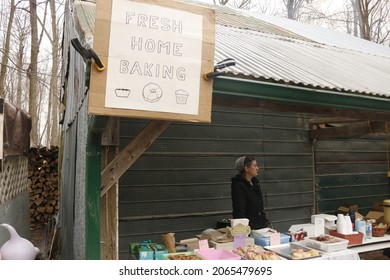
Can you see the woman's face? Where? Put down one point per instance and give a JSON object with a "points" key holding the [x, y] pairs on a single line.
{"points": [[252, 169]]}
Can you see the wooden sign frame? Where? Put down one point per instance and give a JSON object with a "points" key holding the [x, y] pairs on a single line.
{"points": [[97, 96]]}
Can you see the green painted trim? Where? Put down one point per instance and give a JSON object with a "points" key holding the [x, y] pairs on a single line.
{"points": [[96, 125], [292, 94]]}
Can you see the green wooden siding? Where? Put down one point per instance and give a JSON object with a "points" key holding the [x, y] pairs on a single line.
{"points": [[181, 183], [351, 171]]}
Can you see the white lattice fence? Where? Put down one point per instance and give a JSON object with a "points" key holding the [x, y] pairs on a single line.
{"points": [[13, 179]]}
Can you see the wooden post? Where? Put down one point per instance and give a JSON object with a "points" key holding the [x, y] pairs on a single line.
{"points": [[109, 201]]}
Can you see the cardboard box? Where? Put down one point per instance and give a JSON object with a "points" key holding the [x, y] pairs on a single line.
{"points": [[377, 216], [134, 248], [358, 215], [329, 220], [191, 243], [346, 208], [265, 240], [145, 252], [329, 223], [229, 245], [217, 254], [308, 228], [377, 206], [159, 251]]}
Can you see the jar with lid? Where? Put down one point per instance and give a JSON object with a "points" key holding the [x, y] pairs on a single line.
{"points": [[363, 229]]}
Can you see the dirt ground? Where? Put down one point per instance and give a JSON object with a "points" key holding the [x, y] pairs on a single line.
{"points": [[41, 237], [374, 255]]}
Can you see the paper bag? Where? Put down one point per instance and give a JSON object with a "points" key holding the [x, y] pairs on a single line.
{"points": [[169, 242]]}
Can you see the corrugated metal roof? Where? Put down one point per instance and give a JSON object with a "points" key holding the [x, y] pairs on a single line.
{"points": [[279, 50], [325, 36], [85, 20], [286, 51], [292, 61]]}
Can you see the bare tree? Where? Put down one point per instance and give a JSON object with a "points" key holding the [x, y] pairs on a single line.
{"points": [[6, 49], [33, 73], [242, 4], [373, 19], [21, 36], [221, 2], [294, 8], [363, 12], [29, 71], [52, 119]]}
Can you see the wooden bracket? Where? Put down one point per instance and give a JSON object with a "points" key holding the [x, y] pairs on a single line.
{"points": [[116, 168]]}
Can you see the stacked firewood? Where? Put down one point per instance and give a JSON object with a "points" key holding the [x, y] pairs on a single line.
{"points": [[43, 183]]}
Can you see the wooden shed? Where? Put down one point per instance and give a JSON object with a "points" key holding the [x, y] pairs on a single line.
{"points": [[312, 105], [15, 127]]}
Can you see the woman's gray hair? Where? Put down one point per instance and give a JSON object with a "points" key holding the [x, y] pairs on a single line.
{"points": [[241, 162]]}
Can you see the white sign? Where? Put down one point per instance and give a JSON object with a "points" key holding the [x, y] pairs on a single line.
{"points": [[154, 59]]}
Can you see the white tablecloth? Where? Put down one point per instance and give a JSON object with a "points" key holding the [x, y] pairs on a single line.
{"points": [[346, 254]]}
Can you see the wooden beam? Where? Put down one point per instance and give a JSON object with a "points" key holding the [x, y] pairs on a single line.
{"points": [[299, 108], [109, 201], [331, 120], [110, 136], [131, 153], [349, 131]]}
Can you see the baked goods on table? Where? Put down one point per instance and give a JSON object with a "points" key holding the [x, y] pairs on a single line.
{"points": [[184, 257], [326, 238], [255, 252], [302, 254]]}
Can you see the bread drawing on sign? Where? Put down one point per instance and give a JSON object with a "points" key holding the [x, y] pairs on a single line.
{"points": [[122, 92]]}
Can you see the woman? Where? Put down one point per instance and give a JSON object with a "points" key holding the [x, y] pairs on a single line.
{"points": [[247, 198]]}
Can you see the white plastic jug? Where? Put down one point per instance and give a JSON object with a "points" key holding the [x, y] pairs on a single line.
{"points": [[17, 248]]}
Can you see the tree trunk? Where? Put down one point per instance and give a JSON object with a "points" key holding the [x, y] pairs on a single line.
{"points": [[355, 6], [293, 8], [33, 73], [19, 63], [4, 60], [52, 129], [363, 11]]}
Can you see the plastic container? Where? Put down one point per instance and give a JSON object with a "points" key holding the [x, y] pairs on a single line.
{"points": [[264, 240], [217, 254], [363, 228], [341, 244]]}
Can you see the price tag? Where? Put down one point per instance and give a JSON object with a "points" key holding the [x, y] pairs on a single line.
{"points": [[203, 244], [274, 239], [239, 241]]}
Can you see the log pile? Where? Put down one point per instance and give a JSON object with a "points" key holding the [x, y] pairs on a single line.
{"points": [[43, 184]]}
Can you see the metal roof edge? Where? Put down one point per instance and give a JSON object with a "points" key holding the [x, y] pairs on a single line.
{"points": [[294, 94]]}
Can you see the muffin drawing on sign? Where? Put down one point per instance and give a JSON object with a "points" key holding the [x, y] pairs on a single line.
{"points": [[152, 92], [181, 96], [122, 92]]}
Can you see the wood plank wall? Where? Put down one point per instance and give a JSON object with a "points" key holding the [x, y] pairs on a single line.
{"points": [[351, 171], [181, 184]]}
